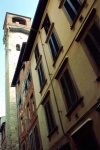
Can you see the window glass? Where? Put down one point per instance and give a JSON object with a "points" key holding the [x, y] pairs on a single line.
{"points": [[68, 88], [54, 45], [49, 116], [41, 74], [93, 43], [17, 47], [37, 53], [72, 8]]}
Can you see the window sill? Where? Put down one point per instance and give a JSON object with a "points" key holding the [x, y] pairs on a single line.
{"points": [[40, 57], [53, 131], [74, 107], [61, 48], [43, 86]]}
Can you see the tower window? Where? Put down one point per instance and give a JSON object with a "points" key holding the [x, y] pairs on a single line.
{"points": [[20, 20], [17, 47]]}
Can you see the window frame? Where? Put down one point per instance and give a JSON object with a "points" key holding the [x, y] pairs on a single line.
{"points": [[36, 138], [52, 37], [24, 146], [29, 78], [85, 134], [36, 143], [40, 69], [94, 41], [31, 137], [73, 84], [72, 22], [58, 76], [42, 78], [44, 102], [45, 24], [54, 50], [94, 18], [37, 53], [21, 21], [17, 47]]}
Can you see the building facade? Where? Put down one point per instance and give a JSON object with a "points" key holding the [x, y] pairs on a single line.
{"points": [[16, 30], [2, 133], [29, 133], [64, 51]]}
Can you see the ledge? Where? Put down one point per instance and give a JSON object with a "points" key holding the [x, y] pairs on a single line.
{"points": [[52, 132], [61, 48], [74, 106], [43, 86]]}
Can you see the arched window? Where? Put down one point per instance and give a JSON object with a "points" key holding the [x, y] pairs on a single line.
{"points": [[17, 47], [20, 20]]}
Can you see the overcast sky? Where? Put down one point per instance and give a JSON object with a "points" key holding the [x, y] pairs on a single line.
{"points": [[21, 7]]}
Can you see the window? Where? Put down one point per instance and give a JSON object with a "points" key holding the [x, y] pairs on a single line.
{"points": [[28, 111], [18, 82], [28, 78], [65, 147], [51, 38], [54, 45], [41, 75], [22, 126], [39, 68], [32, 101], [20, 20], [68, 88], [46, 24], [37, 142], [34, 139], [23, 66], [31, 142], [17, 47], [49, 116], [37, 54], [19, 101], [72, 8], [85, 138], [23, 147], [25, 89], [92, 42]]}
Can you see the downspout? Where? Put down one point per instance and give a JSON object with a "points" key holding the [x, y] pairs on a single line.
{"points": [[52, 87]]}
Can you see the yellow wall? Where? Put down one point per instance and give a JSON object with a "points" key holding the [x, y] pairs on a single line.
{"points": [[81, 68]]}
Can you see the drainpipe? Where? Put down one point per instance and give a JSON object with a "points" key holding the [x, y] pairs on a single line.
{"points": [[51, 84]]}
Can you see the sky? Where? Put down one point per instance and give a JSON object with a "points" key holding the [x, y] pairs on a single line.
{"points": [[20, 7]]}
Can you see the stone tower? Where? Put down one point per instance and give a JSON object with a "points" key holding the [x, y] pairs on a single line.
{"points": [[16, 30]]}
